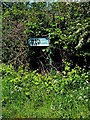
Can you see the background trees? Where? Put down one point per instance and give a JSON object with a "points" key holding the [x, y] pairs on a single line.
{"points": [[68, 25]]}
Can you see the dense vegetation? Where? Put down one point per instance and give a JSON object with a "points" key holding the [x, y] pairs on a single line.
{"points": [[31, 95], [60, 92], [68, 25]]}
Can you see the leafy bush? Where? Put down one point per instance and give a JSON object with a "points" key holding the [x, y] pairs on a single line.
{"points": [[29, 94], [69, 32]]}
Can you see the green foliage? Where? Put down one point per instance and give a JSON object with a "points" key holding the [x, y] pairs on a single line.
{"points": [[69, 29], [29, 94], [55, 95]]}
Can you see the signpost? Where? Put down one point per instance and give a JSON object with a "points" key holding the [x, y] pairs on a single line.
{"points": [[41, 42]]}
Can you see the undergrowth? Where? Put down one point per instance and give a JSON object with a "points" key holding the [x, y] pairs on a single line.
{"points": [[28, 94]]}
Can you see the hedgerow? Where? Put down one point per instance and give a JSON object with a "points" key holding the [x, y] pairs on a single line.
{"points": [[68, 25]]}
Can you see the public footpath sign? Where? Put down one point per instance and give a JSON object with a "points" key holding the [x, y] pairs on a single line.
{"points": [[38, 41]]}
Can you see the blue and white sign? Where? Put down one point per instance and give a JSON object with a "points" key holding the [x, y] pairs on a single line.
{"points": [[38, 41]]}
